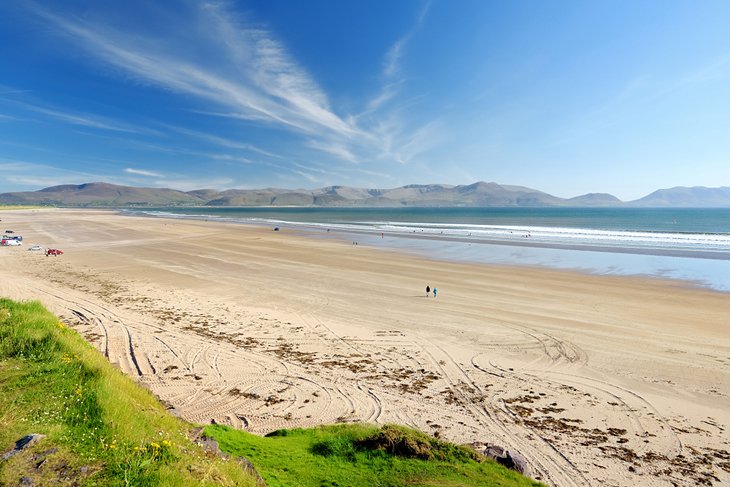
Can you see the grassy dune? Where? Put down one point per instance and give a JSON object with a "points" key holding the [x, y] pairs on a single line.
{"points": [[363, 455], [103, 429]]}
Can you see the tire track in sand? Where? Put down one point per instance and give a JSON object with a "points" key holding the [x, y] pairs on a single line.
{"points": [[633, 403], [551, 463]]}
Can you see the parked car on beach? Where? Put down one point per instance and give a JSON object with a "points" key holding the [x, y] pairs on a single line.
{"points": [[10, 242], [35, 248]]}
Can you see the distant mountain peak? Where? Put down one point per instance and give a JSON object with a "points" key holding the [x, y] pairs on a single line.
{"points": [[596, 199], [683, 196]]}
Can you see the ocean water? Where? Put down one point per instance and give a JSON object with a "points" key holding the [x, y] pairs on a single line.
{"points": [[686, 244]]}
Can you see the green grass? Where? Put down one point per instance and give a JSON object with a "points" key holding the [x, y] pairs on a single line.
{"points": [[101, 428], [362, 455]]}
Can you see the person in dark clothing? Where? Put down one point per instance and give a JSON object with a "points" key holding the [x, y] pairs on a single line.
{"points": [[428, 291]]}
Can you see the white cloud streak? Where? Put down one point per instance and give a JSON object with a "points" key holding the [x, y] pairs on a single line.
{"points": [[83, 120], [222, 141], [393, 56], [142, 172], [337, 149], [245, 73], [392, 72], [309, 177], [264, 84], [7, 90]]}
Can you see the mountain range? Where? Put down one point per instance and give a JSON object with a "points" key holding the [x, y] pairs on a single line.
{"points": [[479, 194]]}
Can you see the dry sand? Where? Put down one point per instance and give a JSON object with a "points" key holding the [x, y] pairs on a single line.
{"points": [[597, 380]]}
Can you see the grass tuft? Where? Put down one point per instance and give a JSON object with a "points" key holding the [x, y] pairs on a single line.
{"points": [[408, 443]]}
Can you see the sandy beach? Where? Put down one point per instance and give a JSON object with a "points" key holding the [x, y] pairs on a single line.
{"points": [[596, 380]]}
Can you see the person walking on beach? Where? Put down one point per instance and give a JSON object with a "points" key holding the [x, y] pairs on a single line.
{"points": [[434, 292], [428, 291]]}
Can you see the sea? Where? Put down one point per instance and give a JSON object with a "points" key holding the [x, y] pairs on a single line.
{"points": [[689, 245]]}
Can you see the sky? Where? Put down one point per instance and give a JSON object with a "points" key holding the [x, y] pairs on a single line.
{"points": [[567, 97]]}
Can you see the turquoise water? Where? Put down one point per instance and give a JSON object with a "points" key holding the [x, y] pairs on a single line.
{"points": [[686, 244], [685, 220]]}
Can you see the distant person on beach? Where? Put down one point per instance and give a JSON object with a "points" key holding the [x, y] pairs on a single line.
{"points": [[428, 290], [434, 292]]}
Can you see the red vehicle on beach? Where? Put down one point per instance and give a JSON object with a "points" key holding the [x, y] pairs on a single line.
{"points": [[54, 252]]}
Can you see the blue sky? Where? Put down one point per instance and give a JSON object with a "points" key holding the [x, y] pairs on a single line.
{"points": [[566, 97]]}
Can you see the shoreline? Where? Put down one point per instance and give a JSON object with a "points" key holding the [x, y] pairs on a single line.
{"points": [[572, 257], [585, 375]]}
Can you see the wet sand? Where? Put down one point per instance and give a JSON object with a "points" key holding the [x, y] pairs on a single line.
{"points": [[597, 380]]}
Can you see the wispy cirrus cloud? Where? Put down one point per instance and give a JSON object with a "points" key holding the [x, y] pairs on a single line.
{"points": [[222, 141], [229, 158], [405, 144], [259, 80], [335, 148], [86, 120], [8, 90], [393, 56], [142, 172], [392, 73], [177, 149], [306, 175], [230, 67], [72, 117]]}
